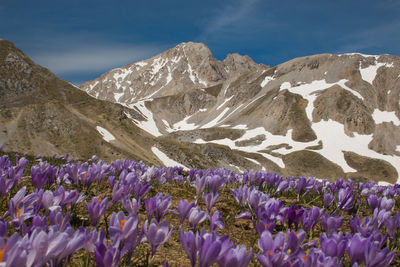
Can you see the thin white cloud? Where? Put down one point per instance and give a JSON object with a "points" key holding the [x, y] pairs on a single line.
{"points": [[86, 53], [93, 57], [228, 19], [375, 38]]}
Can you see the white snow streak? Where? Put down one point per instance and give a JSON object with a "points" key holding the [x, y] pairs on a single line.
{"points": [[117, 96], [168, 162], [107, 136], [149, 125], [309, 91], [385, 116], [184, 125], [216, 120], [266, 81], [368, 74], [225, 101], [141, 63]]}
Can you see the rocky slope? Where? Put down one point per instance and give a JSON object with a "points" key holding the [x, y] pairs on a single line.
{"points": [[41, 114], [328, 116]]}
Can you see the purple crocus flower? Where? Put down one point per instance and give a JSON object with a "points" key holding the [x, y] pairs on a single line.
{"points": [[236, 257], [216, 221], [119, 192], [43, 173], [157, 234], [391, 226], [12, 251], [131, 206], [311, 217], [295, 239], [158, 205], [316, 258], [210, 200], [334, 245], [373, 201], [184, 208], [294, 215], [345, 199], [58, 219], [356, 247], [196, 216], [200, 183], [190, 243], [331, 223], [106, 256], [264, 224], [214, 183], [5, 185], [96, 208], [375, 257], [50, 201], [328, 199], [3, 228], [386, 204], [210, 249], [124, 231], [269, 245], [141, 189]]}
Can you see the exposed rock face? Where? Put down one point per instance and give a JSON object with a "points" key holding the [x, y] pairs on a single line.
{"points": [[324, 115], [328, 116], [41, 114]]}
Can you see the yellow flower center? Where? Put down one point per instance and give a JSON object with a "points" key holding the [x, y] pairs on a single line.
{"points": [[2, 252], [266, 226], [122, 224], [18, 212], [270, 252]]}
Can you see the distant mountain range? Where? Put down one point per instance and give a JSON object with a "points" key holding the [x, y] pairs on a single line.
{"points": [[327, 116]]}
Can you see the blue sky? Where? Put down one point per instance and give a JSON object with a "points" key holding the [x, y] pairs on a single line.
{"points": [[80, 40]]}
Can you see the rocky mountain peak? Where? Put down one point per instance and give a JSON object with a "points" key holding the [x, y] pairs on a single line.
{"points": [[337, 111], [182, 68], [20, 77]]}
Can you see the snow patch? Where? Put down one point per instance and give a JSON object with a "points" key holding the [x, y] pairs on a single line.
{"points": [[240, 127], [216, 120], [266, 81], [398, 148], [225, 101], [168, 162], [285, 85], [309, 91], [91, 86], [368, 74], [176, 59], [191, 76], [121, 74], [253, 160], [157, 65], [149, 124], [385, 116], [117, 96], [335, 141], [169, 77], [184, 125], [382, 183], [107, 136], [141, 63]]}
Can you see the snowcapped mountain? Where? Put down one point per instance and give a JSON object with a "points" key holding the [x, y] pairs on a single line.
{"points": [[328, 116]]}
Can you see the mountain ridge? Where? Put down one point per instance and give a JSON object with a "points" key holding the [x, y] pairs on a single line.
{"points": [[297, 99], [327, 116]]}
